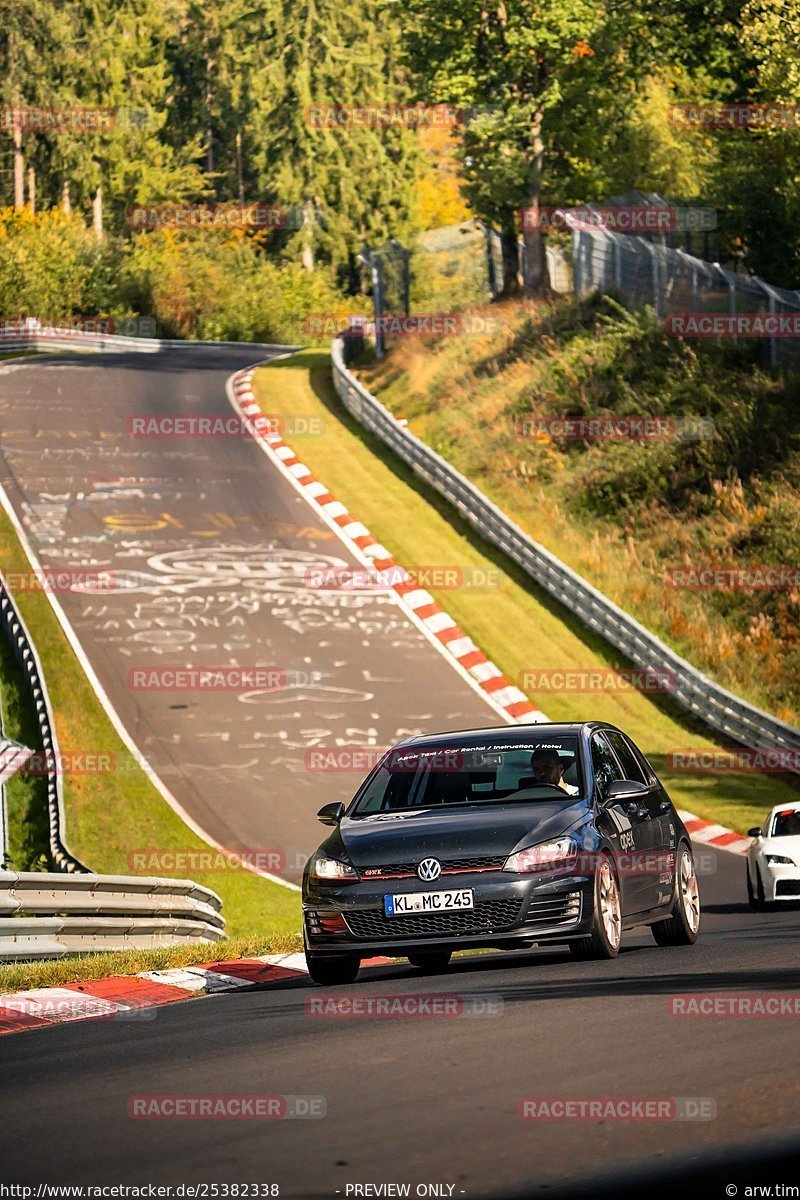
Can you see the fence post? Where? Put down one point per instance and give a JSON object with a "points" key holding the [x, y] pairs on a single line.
{"points": [[655, 277], [616, 252], [488, 234], [372, 260], [577, 276], [773, 309], [377, 299]]}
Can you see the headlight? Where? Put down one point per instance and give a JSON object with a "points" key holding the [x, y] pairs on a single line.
{"points": [[547, 856], [778, 858], [332, 869]]}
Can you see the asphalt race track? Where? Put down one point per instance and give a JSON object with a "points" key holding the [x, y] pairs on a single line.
{"points": [[214, 545], [208, 548], [435, 1100]]}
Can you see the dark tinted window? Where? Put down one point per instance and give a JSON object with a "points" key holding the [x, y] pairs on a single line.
{"points": [[604, 763], [786, 824], [631, 768]]}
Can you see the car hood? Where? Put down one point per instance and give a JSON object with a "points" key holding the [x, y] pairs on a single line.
{"points": [[485, 830], [789, 847]]}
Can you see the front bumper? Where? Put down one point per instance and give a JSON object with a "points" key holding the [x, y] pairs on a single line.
{"points": [[781, 882], [510, 910]]}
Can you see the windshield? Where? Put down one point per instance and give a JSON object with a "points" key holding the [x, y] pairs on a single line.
{"points": [[434, 776], [786, 823]]}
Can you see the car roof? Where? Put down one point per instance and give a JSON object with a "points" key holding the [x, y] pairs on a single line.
{"points": [[791, 806], [511, 734]]}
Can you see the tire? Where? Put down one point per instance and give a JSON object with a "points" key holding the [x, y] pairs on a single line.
{"points": [[329, 969], [683, 925], [751, 898], [762, 904], [432, 963], [606, 935]]}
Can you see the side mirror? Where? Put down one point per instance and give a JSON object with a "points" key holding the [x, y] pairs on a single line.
{"points": [[624, 789], [331, 814], [754, 832]]}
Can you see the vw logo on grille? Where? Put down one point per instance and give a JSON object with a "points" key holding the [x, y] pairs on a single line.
{"points": [[429, 869]]}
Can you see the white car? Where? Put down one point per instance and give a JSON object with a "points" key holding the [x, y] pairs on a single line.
{"points": [[773, 859]]}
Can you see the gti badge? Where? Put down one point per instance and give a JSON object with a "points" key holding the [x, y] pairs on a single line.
{"points": [[429, 869]]}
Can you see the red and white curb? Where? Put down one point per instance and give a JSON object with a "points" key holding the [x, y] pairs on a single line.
{"points": [[714, 835], [124, 997], [438, 625]]}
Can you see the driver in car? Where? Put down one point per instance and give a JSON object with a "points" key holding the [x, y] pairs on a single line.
{"points": [[547, 766]]}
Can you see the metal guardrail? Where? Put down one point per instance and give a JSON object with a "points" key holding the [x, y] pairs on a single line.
{"points": [[76, 339], [24, 651], [47, 914], [720, 709], [13, 757]]}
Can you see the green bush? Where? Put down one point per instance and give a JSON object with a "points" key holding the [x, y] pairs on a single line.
{"points": [[52, 266], [223, 287]]}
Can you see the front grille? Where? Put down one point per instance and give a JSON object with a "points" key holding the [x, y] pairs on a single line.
{"points": [[561, 909], [487, 915], [787, 887], [450, 866]]}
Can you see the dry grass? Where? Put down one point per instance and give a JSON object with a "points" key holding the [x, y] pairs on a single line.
{"points": [[623, 514]]}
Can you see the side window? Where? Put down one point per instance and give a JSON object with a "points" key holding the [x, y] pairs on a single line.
{"points": [[630, 764], [604, 764]]}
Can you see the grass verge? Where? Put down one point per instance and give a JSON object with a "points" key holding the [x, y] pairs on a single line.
{"points": [[111, 815], [715, 481], [516, 624]]}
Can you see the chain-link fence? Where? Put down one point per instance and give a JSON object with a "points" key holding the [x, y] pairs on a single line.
{"points": [[461, 267], [443, 271], [681, 288]]}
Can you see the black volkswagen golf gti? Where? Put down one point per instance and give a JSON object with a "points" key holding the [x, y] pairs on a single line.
{"points": [[499, 837]]}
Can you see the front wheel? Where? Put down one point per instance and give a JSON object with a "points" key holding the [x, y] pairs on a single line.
{"points": [[431, 963], [683, 925], [330, 969], [606, 934]]}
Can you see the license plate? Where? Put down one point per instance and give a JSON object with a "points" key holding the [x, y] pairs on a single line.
{"points": [[417, 902]]}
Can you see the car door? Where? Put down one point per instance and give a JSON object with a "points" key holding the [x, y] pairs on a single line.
{"points": [[625, 822], [656, 867]]}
